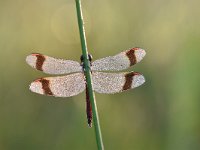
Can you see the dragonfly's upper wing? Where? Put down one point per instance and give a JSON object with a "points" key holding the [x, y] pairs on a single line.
{"points": [[61, 86], [52, 65], [120, 61], [116, 82]]}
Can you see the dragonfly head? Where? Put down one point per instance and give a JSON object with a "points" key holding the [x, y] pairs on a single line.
{"points": [[89, 57]]}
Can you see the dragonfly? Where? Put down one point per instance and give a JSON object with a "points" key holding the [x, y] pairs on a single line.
{"points": [[75, 81]]}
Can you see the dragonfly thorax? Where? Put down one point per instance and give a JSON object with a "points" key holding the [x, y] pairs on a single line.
{"points": [[89, 57]]}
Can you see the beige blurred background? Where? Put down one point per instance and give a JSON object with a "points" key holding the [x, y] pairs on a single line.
{"points": [[163, 114]]}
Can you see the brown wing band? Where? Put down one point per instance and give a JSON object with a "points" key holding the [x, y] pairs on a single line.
{"points": [[39, 62], [131, 55], [45, 86], [128, 80]]}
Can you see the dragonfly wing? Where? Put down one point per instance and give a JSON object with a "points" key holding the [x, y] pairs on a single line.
{"points": [[120, 61], [52, 65], [61, 86], [110, 83]]}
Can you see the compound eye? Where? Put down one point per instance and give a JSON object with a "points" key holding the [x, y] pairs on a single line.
{"points": [[90, 57], [81, 58]]}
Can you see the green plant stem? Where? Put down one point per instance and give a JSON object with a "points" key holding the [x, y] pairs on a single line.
{"points": [[88, 75]]}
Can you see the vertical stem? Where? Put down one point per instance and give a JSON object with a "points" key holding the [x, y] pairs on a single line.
{"points": [[88, 75]]}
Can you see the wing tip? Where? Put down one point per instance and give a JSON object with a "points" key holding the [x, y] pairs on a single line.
{"points": [[139, 53], [41, 86], [36, 87], [135, 55], [36, 60], [31, 60], [133, 80], [138, 80]]}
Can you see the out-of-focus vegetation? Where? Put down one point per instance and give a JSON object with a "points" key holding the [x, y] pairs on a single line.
{"points": [[163, 114]]}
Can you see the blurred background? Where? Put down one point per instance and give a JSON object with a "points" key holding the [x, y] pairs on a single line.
{"points": [[163, 114]]}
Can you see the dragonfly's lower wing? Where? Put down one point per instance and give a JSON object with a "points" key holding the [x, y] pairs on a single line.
{"points": [[120, 61], [61, 86], [52, 65], [110, 83]]}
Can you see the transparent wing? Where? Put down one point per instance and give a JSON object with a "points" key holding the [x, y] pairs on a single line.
{"points": [[110, 83], [120, 61], [61, 86], [52, 65]]}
